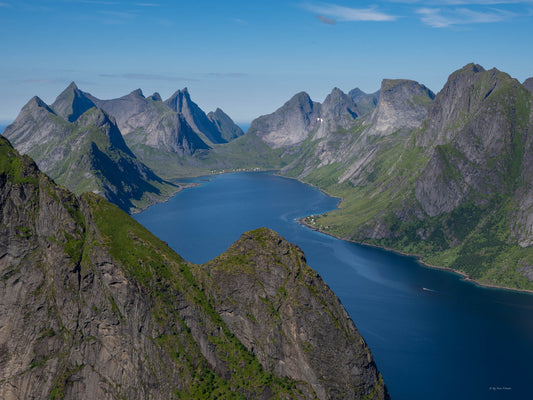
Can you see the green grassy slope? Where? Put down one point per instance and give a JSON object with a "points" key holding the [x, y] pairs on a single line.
{"points": [[476, 236]]}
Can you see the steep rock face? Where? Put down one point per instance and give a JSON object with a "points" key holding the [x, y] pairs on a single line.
{"points": [[457, 190], [403, 104], [225, 125], [290, 124], [301, 118], [337, 111], [88, 154], [95, 306], [38, 127], [365, 102], [181, 103], [349, 136], [72, 103], [280, 309], [150, 122], [477, 129], [131, 111]]}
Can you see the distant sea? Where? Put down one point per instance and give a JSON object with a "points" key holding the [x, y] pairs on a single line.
{"points": [[244, 126]]}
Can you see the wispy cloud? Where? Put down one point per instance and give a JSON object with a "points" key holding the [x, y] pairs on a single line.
{"points": [[226, 75], [340, 13], [146, 77], [147, 4], [105, 3], [462, 2], [41, 81], [326, 20], [6, 5], [442, 18]]}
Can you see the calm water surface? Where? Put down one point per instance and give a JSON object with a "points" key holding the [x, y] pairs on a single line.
{"points": [[433, 335]]}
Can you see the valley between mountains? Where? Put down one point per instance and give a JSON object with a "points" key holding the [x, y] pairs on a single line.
{"points": [[444, 176]]}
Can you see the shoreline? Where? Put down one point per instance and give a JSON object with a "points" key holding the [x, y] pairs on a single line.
{"points": [[465, 277], [180, 187]]}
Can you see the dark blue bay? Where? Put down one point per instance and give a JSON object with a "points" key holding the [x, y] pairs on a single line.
{"points": [[433, 335]]}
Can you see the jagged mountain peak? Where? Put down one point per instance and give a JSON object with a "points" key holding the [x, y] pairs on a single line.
{"points": [[176, 100], [138, 93], [337, 96], [71, 103], [37, 102], [338, 109], [288, 125], [465, 91], [228, 129], [98, 118], [72, 86], [403, 104], [300, 97], [33, 126], [472, 68], [365, 102], [181, 103], [336, 90], [356, 93], [155, 97], [528, 84]]}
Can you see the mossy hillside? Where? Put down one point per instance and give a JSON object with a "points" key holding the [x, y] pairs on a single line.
{"points": [[17, 167], [383, 184], [162, 274]]}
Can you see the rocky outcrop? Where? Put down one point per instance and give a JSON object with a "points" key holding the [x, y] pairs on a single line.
{"points": [[225, 125], [94, 306], [282, 311], [88, 154], [301, 118], [72, 103], [365, 102], [338, 111], [181, 102], [402, 106], [476, 130], [291, 124], [149, 122], [528, 84]]}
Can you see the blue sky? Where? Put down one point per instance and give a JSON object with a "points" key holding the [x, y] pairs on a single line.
{"points": [[249, 57]]}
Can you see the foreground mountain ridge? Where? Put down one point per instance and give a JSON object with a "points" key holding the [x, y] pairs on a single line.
{"points": [[95, 306]]}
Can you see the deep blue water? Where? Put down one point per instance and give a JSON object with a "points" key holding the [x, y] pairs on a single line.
{"points": [[433, 335]]}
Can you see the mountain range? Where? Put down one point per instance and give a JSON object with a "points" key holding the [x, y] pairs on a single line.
{"points": [[94, 306], [86, 144], [445, 177], [442, 176]]}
